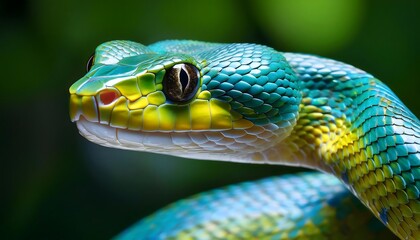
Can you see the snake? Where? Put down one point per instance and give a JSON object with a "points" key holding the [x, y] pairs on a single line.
{"points": [[249, 103]]}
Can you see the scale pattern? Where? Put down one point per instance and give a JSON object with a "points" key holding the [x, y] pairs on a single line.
{"points": [[255, 210], [258, 105], [376, 150]]}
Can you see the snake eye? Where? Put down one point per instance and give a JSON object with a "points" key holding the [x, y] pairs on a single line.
{"points": [[90, 63], [180, 83]]}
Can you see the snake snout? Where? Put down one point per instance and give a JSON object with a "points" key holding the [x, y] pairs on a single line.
{"points": [[108, 106], [91, 107], [85, 106]]}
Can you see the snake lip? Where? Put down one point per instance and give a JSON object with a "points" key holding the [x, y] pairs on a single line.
{"points": [[84, 106], [188, 144], [109, 136], [93, 131]]}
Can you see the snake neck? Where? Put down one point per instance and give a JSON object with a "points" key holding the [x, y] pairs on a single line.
{"points": [[329, 91], [353, 126], [347, 120], [315, 141]]}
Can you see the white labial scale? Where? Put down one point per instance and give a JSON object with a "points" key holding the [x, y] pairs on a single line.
{"points": [[231, 145], [214, 136], [96, 132], [234, 133], [157, 139], [226, 142], [181, 139], [127, 138], [198, 137]]}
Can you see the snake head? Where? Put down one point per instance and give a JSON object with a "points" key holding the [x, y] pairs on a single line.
{"points": [[176, 100]]}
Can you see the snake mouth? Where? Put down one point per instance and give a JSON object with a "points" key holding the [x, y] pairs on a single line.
{"points": [[197, 145], [122, 138], [174, 143], [170, 129], [96, 122], [232, 145]]}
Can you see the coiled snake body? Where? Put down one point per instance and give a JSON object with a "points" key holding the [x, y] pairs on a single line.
{"points": [[251, 103]]}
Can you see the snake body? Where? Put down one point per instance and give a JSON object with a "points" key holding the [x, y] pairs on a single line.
{"points": [[251, 103]]}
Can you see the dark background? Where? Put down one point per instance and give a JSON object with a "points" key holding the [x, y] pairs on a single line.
{"points": [[57, 185]]}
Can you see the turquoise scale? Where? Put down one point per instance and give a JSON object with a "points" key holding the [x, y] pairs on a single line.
{"points": [[301, 206], [377, 154], [235, 72]]}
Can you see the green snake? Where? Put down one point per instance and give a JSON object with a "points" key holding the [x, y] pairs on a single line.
{"points": [[250, 103]]}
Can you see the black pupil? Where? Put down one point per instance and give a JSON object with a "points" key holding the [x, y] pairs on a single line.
{"points": [[184, 79], [180, 83]]}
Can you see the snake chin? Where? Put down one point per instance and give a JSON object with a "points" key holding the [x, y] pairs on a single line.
{"points": [[233, 145], [175, 144]]}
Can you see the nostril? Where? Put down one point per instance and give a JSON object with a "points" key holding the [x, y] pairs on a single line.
{"points": [[108, 96]]}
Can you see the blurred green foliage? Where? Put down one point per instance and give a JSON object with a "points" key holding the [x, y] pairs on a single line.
{"points": [[57, 185], [322, 25]]}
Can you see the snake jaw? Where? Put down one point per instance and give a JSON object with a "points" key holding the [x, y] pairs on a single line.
{"points": [[229, 145], [161, 129]]}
